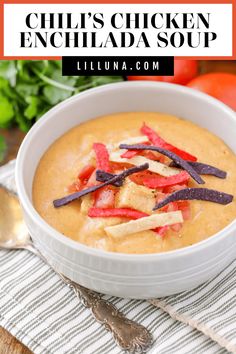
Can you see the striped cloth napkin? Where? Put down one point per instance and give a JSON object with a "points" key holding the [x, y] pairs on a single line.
{"points": [[44, 314]]}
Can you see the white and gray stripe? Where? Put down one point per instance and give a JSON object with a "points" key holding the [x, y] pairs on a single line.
{"points": [[210, 308], [47, 317]]}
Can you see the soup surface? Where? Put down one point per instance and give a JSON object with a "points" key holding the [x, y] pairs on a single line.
{"points": [[61, 163]]}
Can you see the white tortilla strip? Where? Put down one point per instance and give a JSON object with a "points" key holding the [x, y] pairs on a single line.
{"points": [[145, 223], [133, 140], [154, 166], [130, 141]]}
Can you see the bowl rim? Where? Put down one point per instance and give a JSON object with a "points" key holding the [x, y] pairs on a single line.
{"points": [[29, 208]]}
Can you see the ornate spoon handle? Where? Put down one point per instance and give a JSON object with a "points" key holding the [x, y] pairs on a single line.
{"points": [[129, 335]]}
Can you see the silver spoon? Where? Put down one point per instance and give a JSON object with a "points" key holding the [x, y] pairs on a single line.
{"points": [[129, 335]]}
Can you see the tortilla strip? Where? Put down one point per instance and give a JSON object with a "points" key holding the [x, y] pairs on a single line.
{"points": [[145, 223], [154, 166], [71, 197], [171, 155], [133, 140]]}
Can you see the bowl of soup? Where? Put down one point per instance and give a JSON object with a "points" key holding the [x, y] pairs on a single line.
{"points": [[129, 189]]}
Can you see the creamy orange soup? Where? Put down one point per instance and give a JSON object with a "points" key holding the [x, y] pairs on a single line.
{"points": [[59, 167]]}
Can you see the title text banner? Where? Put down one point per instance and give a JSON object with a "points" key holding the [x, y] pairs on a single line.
{"points": [[55, 30]]}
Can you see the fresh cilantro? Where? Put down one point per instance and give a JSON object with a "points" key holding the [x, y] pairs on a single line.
{"points": [[3, 148], [6, 111], [29, 88]]}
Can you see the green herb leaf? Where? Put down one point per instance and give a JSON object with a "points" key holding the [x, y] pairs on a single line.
{"points": [[3, 148], [23, 123], [55, 95], [33, 103], [29, 88], [6, 112], [8, 71], [25, 89]]}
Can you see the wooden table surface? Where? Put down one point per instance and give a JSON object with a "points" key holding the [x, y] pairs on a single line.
{"points": [[14, 137]]}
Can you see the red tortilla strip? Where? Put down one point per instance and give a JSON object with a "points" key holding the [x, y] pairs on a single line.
{"points": [[123, 212], [131, 153], [178, 160], [155, 139], [71, 197], [161, 182], [116, 212], [102, 157]]}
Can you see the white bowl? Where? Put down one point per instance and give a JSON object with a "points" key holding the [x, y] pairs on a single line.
{"points": [[125, 275]]}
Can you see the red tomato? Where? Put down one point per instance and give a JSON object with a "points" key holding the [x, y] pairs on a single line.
{"points": [[160, 196], [92, 180], [219, 85], [139, 176], [105, 198], [176, 227], [184, 71], [172, 206], [144, 78], [175, 188], [86, 172], [153, 156], [117, 167], [186, 213], [75, 187], [184, 206], [162, 230]]}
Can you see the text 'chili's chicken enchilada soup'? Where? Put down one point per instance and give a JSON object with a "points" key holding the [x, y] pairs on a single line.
{"points": [[137, 183]]}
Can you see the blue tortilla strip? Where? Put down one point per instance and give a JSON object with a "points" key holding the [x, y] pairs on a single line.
{"points": [[206, 194], [120, 177], [103, 176], [180, 162], [204, 169]]}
